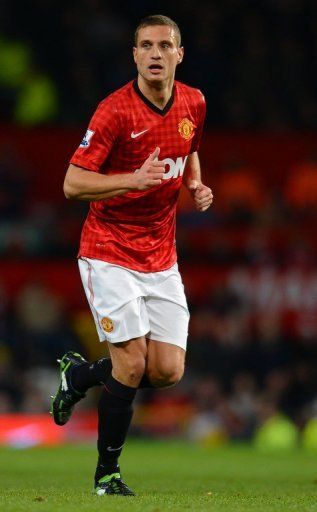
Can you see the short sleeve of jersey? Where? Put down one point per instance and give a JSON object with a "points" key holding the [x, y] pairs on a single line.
{"points": [[97, 143], [201, 114]]}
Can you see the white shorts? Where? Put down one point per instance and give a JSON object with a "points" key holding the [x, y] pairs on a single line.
{"points": [[127, 304]]}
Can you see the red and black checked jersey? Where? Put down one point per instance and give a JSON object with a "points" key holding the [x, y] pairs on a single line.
{"points": [[137, 230]]}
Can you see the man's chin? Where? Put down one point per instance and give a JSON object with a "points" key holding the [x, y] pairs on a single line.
{"points": [[155, 79], [159, 77]]}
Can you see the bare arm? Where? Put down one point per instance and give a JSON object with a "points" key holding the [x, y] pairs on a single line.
{"points": [[201, 194], [192, 170], [91, 186]]}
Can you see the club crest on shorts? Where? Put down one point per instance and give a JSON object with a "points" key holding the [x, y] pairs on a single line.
{"points": [[186, 128], [107, 324]]}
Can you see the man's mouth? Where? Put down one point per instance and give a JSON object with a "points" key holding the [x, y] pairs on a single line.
{"points": [[155, 68]]}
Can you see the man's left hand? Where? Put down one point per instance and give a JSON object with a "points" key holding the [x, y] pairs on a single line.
{"points": [[201, 194]]}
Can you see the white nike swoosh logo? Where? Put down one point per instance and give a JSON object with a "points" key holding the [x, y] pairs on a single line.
{"points": [[114, 449], [135, 135]]}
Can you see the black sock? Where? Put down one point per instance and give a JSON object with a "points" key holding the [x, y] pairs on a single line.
{"points": [[145, 383], [115, 414], [87, 375]]}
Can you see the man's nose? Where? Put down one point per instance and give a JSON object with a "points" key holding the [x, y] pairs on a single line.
{"points": [[156, 53]]}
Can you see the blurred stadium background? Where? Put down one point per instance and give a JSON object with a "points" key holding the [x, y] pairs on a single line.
{"points": [[249, 264]]}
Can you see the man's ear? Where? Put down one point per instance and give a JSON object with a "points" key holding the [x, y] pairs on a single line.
{"points": [[180, 52]]}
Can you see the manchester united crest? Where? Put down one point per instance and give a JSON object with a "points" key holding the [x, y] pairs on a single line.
{"points": [[186, 128], [107, 324]]}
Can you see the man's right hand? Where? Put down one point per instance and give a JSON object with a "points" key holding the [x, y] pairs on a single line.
{"points": [[150, 173]]}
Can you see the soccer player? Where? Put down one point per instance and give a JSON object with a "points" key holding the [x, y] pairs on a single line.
{"points": [[140, 146]]}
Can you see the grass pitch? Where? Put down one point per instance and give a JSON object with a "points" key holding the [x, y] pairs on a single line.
{"points": [[167, 476]]}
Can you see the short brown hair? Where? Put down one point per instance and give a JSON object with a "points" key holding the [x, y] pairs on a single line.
{"points": [[157, 19]]}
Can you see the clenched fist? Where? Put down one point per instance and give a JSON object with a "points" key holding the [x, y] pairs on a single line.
{"points": [[201, 194]]}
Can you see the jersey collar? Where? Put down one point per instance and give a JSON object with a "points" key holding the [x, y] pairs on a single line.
{"points": [[153, 107]]}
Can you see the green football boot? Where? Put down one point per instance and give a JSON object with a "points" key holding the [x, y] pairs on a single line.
{"points": [[112, 484], [66, 397]]}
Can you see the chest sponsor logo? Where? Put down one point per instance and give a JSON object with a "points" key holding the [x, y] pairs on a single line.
{"points": [[136, 135], [186, 128], [174, 169], [86, 140]]}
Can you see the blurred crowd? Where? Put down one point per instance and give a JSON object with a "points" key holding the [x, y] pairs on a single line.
{"points": [[245, 365], [249, 263], [252, 219], [255, 61], [253, 341], [252, 353]]}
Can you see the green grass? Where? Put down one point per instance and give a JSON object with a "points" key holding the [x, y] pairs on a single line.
{"points": [[167, 476]]}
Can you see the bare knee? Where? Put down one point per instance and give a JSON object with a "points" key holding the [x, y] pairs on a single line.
{"points": [[131, 372], [128, 361], [163, 377]]}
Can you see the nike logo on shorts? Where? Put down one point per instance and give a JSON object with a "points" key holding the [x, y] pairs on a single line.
{"points": [[135, 135]]}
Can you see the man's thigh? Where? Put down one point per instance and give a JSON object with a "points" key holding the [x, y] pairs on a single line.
{"points": [[164, 358], [122, 352], [162, 362]]}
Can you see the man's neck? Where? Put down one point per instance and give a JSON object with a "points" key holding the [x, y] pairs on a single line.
{"points": [[158, 94]]}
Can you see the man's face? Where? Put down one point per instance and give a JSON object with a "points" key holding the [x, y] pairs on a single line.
{"points": [[157, 53]]}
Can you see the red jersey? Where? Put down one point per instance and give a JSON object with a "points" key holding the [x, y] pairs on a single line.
{"points": [[137, 230]]}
